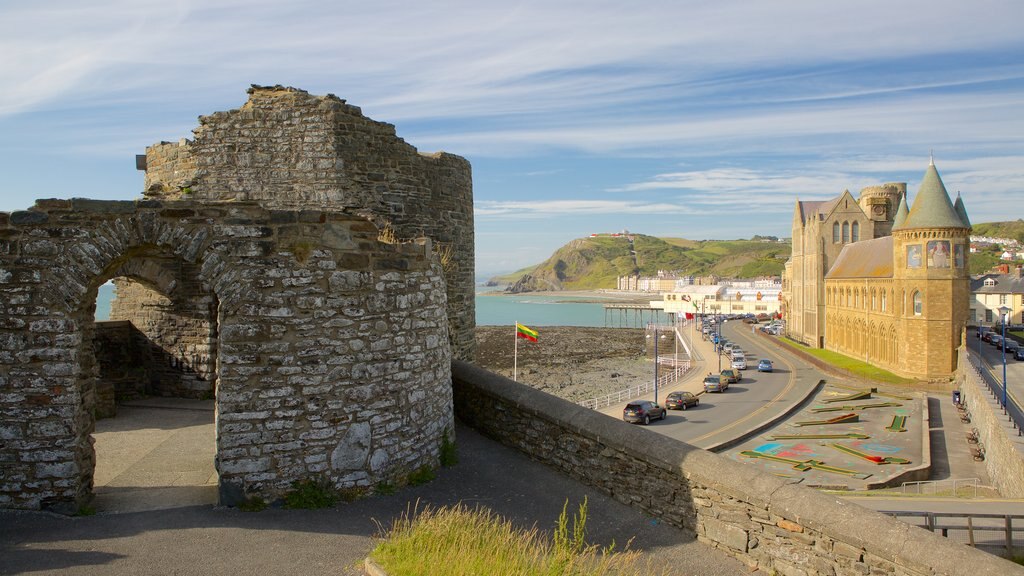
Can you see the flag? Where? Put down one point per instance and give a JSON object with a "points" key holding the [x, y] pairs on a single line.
{"points": [[685, 298], [689, 315], [527, 333], [695, 305]]}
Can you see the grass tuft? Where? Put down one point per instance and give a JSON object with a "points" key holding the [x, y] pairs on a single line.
{"points": [[459, 541], [449, 454], [422, 475], [311, 494], [851, 365]]}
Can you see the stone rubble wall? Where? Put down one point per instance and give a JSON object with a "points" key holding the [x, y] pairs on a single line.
{"points": [[1004, 447], [333, 357], [287, 149], [765, 521]]}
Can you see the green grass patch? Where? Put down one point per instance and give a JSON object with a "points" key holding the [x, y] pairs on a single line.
{"points": [[311, 494], [252, 504], [449, 454], [459, 541], [851, 365], [422, 475]]}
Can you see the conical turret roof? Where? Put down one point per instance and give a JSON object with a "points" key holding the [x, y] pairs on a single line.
{"points": [[932, 208], [901, 213], [961, 211]]}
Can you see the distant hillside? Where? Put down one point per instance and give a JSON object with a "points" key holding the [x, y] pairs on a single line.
{"points": [[1013, 229], [597, 262]]}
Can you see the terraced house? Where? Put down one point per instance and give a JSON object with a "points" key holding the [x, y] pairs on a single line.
{"points": [[899, 298]]}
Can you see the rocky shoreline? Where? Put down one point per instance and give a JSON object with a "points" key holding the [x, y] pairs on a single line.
{"points": [[572, 362]]}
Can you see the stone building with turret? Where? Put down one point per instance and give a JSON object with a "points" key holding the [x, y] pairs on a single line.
{"points": [[897, 299]]}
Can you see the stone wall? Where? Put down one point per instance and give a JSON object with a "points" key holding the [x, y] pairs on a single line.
{"points": [[333, 359], [1004, 447], [287, 149], [764, 520]]}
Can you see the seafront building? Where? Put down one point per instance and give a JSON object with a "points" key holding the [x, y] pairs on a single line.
{"points": [[990, 292], [874, 280], [754, 297]]}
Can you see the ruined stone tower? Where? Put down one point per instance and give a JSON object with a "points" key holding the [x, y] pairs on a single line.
{"points": [[311, 270]]}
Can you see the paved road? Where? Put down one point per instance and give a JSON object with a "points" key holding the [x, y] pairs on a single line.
{"points": [[201, 540], [756, 399]]}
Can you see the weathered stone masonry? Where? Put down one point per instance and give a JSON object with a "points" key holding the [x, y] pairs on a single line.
{"points": [[287, 149], [332, 357]]}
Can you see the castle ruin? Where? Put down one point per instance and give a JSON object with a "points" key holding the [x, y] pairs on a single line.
{"points": [[296, 261]]}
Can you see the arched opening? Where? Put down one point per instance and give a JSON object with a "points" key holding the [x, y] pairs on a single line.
{"points": [[151, 369]]}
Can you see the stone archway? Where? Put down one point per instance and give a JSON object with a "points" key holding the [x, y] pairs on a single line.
{"points": [[332, 353]]}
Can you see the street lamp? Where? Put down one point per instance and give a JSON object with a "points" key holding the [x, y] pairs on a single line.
{"points": [[1003, 311]]}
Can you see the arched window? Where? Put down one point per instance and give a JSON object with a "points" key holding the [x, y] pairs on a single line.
{"points": [[835, 232], [883, 300], [918, 303], [855, 235], [846, 232], [874, 302]]}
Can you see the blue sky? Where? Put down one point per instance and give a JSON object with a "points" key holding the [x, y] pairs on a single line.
{"points": [[671, 118]]}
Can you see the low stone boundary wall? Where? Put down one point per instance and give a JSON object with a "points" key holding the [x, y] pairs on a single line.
{"points": [[1004, 449], [763, 520]]}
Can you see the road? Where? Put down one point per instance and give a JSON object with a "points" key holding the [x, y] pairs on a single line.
{"points": [[993, 358], [757, 398]]}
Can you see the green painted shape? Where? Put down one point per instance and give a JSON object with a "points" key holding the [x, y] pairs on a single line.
{"points": [[806, 464], [850, 435], [837, 420], [857, 407], [848, 397], [898, 424]]}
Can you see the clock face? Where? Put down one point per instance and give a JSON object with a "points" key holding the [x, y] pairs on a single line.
{"points": [[879, 209]]}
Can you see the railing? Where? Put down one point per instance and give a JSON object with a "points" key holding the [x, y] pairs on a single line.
{"points": [[1012, 409], [933, 487], [681, 367], [990, 531]]}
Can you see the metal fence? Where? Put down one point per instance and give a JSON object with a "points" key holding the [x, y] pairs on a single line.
{"points": [[993, 532], [952, 487], [679, 369]]}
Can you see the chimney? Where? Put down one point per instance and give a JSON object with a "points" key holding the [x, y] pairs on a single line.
{"points": [[1017, 272]]}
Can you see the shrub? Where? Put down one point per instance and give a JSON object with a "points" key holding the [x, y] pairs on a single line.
{"points": [[311, 494]]}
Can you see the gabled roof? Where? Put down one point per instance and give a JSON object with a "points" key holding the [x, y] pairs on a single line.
{"points": [[932, 208], [819, 207], [1005, 284], [864, 259]]}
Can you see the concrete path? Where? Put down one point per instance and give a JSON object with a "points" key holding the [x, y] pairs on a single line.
{"points": [[204, 540], [157, 453]]}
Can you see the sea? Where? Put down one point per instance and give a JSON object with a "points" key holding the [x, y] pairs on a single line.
{"points": [[495, 308]]}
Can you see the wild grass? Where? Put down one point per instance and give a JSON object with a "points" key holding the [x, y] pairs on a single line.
{"points": [[851, 365], [459, 541]]}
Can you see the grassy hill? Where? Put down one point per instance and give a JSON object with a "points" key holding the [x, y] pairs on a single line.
{"points": [[1013, 229], [597, 262]]}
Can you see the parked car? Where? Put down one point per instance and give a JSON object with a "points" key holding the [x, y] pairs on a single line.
{"points": [[765, 365], [728, 347], [1019, 354], [643, 411], [996, 340], [681, 400], [739, 363], [715, 384], [733, 375], [737, 352], [982, 330], [1010, 346], [987, 336]]}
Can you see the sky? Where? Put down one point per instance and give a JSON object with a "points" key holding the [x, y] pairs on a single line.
{"points": [[692, 119]]}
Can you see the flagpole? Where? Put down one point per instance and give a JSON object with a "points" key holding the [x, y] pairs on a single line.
{"points": [[515, 353]]}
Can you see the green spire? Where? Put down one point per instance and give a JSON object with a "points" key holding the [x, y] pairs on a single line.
{"points": [[901, 213], [961, 211], [932, 208]]}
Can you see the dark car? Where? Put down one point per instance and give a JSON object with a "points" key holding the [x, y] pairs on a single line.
{"points": [[765, 365], [1010, 346], [1019, 354], [987, 336], [733, 375], [681, 400], [643, 411]]}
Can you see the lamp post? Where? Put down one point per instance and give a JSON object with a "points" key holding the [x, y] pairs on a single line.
{"points": [[655, 362], [1003, 311]]}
